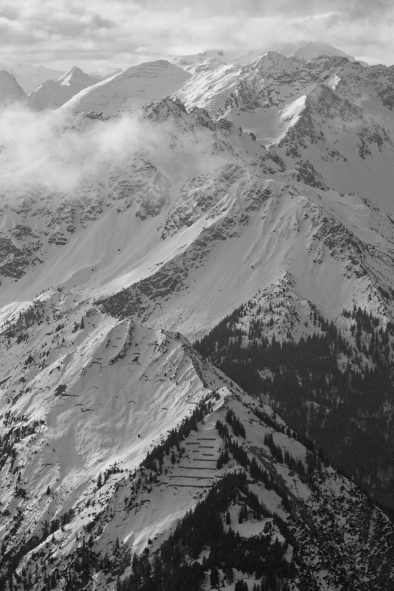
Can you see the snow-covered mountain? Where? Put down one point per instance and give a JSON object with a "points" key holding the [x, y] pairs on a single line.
{"points": [[314, 49], [256, 209], [30, 77], [10, 91], [52, 94], [157, 235], [129, 89], [105, 451]]}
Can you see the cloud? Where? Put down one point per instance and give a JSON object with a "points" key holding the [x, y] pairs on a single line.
{"points": [[66, 32], [54, 154]]}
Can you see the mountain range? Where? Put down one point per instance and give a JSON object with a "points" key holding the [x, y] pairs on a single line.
{"points": [[231, 224], [30, 77], [52, 94]]}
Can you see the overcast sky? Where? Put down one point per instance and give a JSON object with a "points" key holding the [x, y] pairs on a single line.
{"points": [[97, 33]]}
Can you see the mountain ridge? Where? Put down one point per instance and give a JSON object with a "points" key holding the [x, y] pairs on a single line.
{"points": [[259, 227]]}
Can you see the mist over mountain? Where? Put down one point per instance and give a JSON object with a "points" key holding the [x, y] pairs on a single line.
{"points": [[196, 325]]}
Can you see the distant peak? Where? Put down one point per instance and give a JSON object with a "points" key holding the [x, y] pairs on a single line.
{"points": [[6, 75], [74, 71], [10, 89], [314, 49], [74, 76]]}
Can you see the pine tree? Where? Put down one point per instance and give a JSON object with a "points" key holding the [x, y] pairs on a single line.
{"points": [[215, 578]]}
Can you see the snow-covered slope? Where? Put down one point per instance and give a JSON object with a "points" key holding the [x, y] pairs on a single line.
{"points": [[157, 233], [10, 91], [99, 393], [129, 89], [210, 86], [191, 62], [270, 76], [52, 94], [112, 432]]}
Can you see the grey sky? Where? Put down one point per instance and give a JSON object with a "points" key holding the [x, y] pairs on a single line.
{"points": [[95, 33]]}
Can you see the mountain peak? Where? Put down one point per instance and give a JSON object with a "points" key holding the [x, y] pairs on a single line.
{"points": [[10, 91], [314, 49], [135, 86], [52, 94], [75, 76]]}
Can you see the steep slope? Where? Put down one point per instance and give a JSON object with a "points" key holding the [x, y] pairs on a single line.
{"points": [[130, 89], [10, 91], [210, 86], [80, 490], [345, 107], [179, 225], [91, 399], [52, 94], [256, 82], [333, 385], [183, 247], [346, 145]]}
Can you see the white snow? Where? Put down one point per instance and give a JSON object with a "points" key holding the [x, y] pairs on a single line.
{"points": [[129, 89], [292, 111], [332, 82]]}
